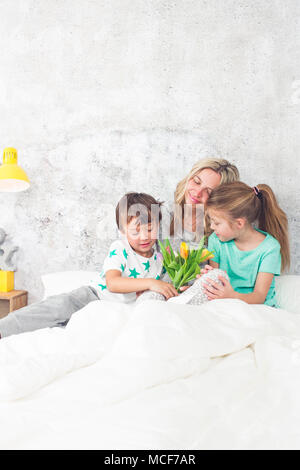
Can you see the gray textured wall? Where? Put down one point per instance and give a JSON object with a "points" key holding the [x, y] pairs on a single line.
{"points": [[105, 96]]}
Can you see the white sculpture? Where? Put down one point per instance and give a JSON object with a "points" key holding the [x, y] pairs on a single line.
{"points": [[8, 257]]}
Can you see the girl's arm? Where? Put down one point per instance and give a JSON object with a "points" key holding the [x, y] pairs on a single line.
{"points": [[118, 284], [225, 291], [261, 289]]}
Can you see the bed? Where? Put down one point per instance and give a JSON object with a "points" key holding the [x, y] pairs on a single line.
{"points": [[224, 375]]}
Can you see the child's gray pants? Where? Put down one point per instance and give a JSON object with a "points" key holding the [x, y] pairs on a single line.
{"points": [[53, 311]]}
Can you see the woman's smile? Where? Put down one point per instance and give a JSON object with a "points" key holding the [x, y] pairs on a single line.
{"points": [[193, 199]]}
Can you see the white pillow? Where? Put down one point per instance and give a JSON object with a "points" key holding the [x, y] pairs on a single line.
{"points": [[287, 286], [65, 281], [288, 292]]}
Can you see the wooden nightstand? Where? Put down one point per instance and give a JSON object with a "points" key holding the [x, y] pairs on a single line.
{"points": [[12, 300]]}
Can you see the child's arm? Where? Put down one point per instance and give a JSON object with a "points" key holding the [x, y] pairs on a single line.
{"points": [[261, 289], [116, 283], [225, 291]]}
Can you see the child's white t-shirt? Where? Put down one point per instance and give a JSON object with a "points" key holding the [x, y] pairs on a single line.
{"points": [[132, 265]]}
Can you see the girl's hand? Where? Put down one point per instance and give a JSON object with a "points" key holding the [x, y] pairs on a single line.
{"points": [[164, 288], [204, 270], [217, 291]]}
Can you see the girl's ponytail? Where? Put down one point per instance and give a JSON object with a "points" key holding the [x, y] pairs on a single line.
{"points": [[273, 220], [256, 204]]}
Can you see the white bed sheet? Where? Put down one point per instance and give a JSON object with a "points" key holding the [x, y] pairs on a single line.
{"points": [[155, 376]]}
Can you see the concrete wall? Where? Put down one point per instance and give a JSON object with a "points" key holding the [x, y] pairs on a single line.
{"points": [[105, 96]]}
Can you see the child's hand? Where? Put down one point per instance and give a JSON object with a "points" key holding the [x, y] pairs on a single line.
{"points": [[205, 270], [164, 288], [217, 291], [183, 288], [139, 293]]}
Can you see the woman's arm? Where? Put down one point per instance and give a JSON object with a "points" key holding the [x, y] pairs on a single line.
{"points": [[225, 291], [118, 284]]}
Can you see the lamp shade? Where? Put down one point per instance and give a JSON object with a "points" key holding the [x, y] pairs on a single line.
{"points": [[12, 177]]}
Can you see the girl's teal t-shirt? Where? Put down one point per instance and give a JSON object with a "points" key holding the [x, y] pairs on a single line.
{"points": [[243, 267]]}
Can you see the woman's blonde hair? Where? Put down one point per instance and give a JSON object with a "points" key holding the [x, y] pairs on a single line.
{"points": [[226, 170], [257, 204]]}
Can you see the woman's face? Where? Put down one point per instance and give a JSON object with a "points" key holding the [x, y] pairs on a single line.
{"points": [[200, 186]]}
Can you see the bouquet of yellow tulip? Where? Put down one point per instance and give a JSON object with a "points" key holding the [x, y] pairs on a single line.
{"points": [[183, 267]]}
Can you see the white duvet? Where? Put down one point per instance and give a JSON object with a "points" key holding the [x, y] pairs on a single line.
{"points": [[224, 375]]}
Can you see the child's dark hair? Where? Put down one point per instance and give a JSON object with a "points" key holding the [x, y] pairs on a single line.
{"points": [[256, 204], [140, 205]]}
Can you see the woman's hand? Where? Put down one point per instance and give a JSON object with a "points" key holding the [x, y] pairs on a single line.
{"points": [[164, 288], [219, 291]]}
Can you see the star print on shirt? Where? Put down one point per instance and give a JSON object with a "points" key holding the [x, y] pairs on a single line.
{"points": [[125, 253], [123, 267], [112, 253], [133, 273], [147, 266], [103, 286]]}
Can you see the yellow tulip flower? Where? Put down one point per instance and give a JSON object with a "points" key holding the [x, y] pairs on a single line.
{"points": [[184, 250], [205, 252]]}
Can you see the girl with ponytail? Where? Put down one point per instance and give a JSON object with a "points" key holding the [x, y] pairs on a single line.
{"points": [[250, 244]]}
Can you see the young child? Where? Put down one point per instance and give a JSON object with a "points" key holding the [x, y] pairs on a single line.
{"points": [[132, 265], [246, 258]]}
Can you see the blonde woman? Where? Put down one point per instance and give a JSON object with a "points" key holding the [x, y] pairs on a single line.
{"points": [[185, 219]]}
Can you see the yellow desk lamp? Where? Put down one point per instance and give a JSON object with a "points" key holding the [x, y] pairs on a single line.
{"points": [[12, 177]]}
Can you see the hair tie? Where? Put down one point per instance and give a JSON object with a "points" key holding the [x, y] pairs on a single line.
{"points": [[258, 193]]}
